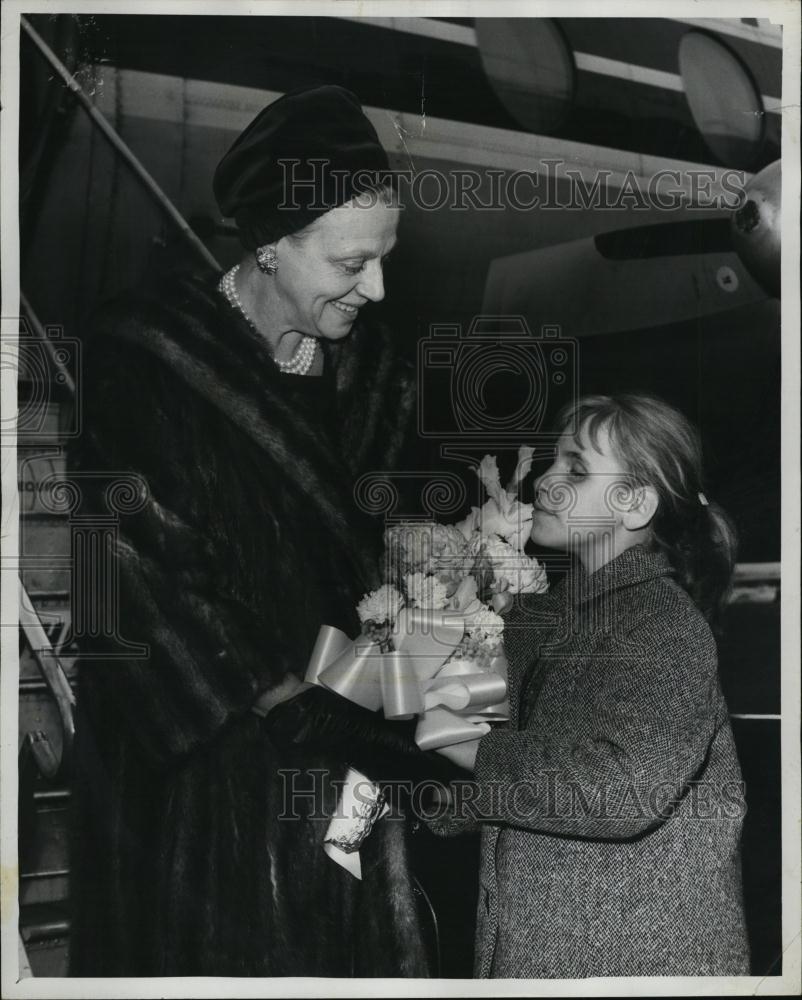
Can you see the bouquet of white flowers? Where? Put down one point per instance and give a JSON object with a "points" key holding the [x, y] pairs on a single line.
{"points": [[432, 633], [471, 569]]}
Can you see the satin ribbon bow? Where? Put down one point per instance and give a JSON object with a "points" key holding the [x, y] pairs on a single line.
{"points": [[454, 700]]}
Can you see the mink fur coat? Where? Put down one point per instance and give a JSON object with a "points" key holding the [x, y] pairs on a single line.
{"points": [[188, 856]]}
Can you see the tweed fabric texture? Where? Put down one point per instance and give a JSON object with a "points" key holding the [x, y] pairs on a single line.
{"points": [[611, 805]]}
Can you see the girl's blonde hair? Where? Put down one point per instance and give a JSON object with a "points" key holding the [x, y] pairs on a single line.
{"points": [[660, 447]]}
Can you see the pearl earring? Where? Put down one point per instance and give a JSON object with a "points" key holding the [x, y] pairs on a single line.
{"points": [[267, 259]]}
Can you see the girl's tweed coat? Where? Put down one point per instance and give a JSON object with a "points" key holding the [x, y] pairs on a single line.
{"points": [[611, 805], [190, 858]]}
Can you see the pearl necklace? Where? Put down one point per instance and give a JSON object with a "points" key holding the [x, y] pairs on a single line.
{"points": [[301, 361]]}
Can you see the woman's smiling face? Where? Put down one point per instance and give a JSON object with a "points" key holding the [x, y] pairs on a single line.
{"points": [[334, 267]]}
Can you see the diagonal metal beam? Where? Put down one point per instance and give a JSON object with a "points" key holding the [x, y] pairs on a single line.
{"points": [[47, 343], [121, 147], [52, 673]]}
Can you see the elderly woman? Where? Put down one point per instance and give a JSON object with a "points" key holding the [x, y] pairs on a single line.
{"points": [[248, 404]]}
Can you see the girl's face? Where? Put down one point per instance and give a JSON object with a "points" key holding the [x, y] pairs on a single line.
{"points": [[582, 499]]}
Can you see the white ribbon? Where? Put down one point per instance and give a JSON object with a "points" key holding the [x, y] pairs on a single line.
{"points": [[454, 702]]}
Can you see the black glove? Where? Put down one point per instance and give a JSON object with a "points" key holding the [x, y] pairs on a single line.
{"points": [[385, 751]]}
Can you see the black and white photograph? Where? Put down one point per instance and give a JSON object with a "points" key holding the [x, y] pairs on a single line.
{"points": [[400, 524]]}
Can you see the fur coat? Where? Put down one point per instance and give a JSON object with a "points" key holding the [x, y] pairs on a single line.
{"points": [[190, 855]]}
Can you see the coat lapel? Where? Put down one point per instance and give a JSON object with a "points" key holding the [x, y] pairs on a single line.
{"points": [[589, 596]]}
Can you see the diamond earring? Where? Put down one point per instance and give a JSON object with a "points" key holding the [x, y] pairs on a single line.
{"points": [[267, 259]]}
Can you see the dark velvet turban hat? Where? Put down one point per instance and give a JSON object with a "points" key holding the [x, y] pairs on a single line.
{"points": [[304, 154]]}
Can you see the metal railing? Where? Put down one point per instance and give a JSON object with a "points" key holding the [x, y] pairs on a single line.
{"points": [[55, 679], [37, 757], [121, 148]]}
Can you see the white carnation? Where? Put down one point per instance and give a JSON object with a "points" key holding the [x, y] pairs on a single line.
{"points": [[475, 544], [529, 578], [465, 599], [514, 571], [499, 552], [448, 545], [380, 605], [486, 628], [409, 547], [426, 591]]}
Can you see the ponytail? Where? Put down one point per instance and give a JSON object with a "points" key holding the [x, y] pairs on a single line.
{"points": [[703, 551]]}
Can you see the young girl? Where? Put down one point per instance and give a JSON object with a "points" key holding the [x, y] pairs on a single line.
{"points": [[611, 804]]}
